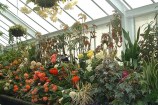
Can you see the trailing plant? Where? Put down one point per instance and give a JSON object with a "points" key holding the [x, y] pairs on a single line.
{"points": [[48, 8], [16, 31], [116, 29], [130, 56]]}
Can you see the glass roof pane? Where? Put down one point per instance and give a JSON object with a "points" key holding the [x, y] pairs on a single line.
{"points": [[26, 19], [5, 21], [138, 3], [156, 0], [66, 18], [3, 40], [105, 6], [74, 12], [90, 8], [4, 25]]}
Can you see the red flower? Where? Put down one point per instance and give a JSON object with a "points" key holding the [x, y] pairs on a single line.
{"points": [[53, 71], [54, 58], [75, 79]]}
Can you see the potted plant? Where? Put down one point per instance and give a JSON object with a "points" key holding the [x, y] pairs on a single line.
{"points": [[16, 31]]}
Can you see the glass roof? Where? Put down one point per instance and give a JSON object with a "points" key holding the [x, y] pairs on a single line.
{"points": [[45, 25]]}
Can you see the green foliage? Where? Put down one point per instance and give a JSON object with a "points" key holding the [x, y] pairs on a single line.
{"points": [[128, 90], [150, 73], [149, 44], [130, 56], [9, 55], [1, 33], [3, 7]]}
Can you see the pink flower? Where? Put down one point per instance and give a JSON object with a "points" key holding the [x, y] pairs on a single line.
{"points": [[125, 74], [54, 58]]}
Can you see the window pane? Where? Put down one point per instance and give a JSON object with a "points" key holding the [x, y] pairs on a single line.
{"points": [[138, 3], [105, 6], [90, 8]]}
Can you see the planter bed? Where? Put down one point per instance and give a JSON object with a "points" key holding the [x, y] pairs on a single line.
{"points": [[8, 100]]}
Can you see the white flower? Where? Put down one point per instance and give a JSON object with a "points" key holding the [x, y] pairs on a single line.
{"points": [[89, 61], [10, 80], [89, 68], [72, 94], [100, 55], [6, 88], [56, 66], [38, 64], [33, 63], [60, 100], [21, 65], [63, 91], [25, 59], [7, 84]]}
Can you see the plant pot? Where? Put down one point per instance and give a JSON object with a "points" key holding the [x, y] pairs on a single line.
{"points": [[17, 33], [45, 3], [7, 100]]}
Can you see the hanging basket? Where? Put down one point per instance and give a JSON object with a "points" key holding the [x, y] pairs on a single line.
{"points": [[17, 30], [17, 33], [45, 3]]}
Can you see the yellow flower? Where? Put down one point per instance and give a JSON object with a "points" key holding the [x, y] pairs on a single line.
{"points": [[25, 10], [80, 56], [90, 51], [90, 54], [53, 18]]}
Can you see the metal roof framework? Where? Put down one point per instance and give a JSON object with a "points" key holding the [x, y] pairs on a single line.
{"points": [[104, 9]]}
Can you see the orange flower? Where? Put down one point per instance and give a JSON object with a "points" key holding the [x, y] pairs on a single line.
{"points": [[26, 75], [75, 79], [45, 98], [53, 71], [27, 87], [16, 77], [46, 89], [42, 68], [15, 86], [54, 87]]}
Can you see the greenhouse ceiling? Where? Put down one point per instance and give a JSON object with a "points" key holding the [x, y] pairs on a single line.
{"points": [[93, 9]]}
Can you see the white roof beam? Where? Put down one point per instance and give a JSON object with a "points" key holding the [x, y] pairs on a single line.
{"points": [[118, 6], [142, 10]]}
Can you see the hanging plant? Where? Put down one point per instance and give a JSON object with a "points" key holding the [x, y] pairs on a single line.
{"points": [[16, 31], [49, 8], [46, 3], [116, 29]]}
